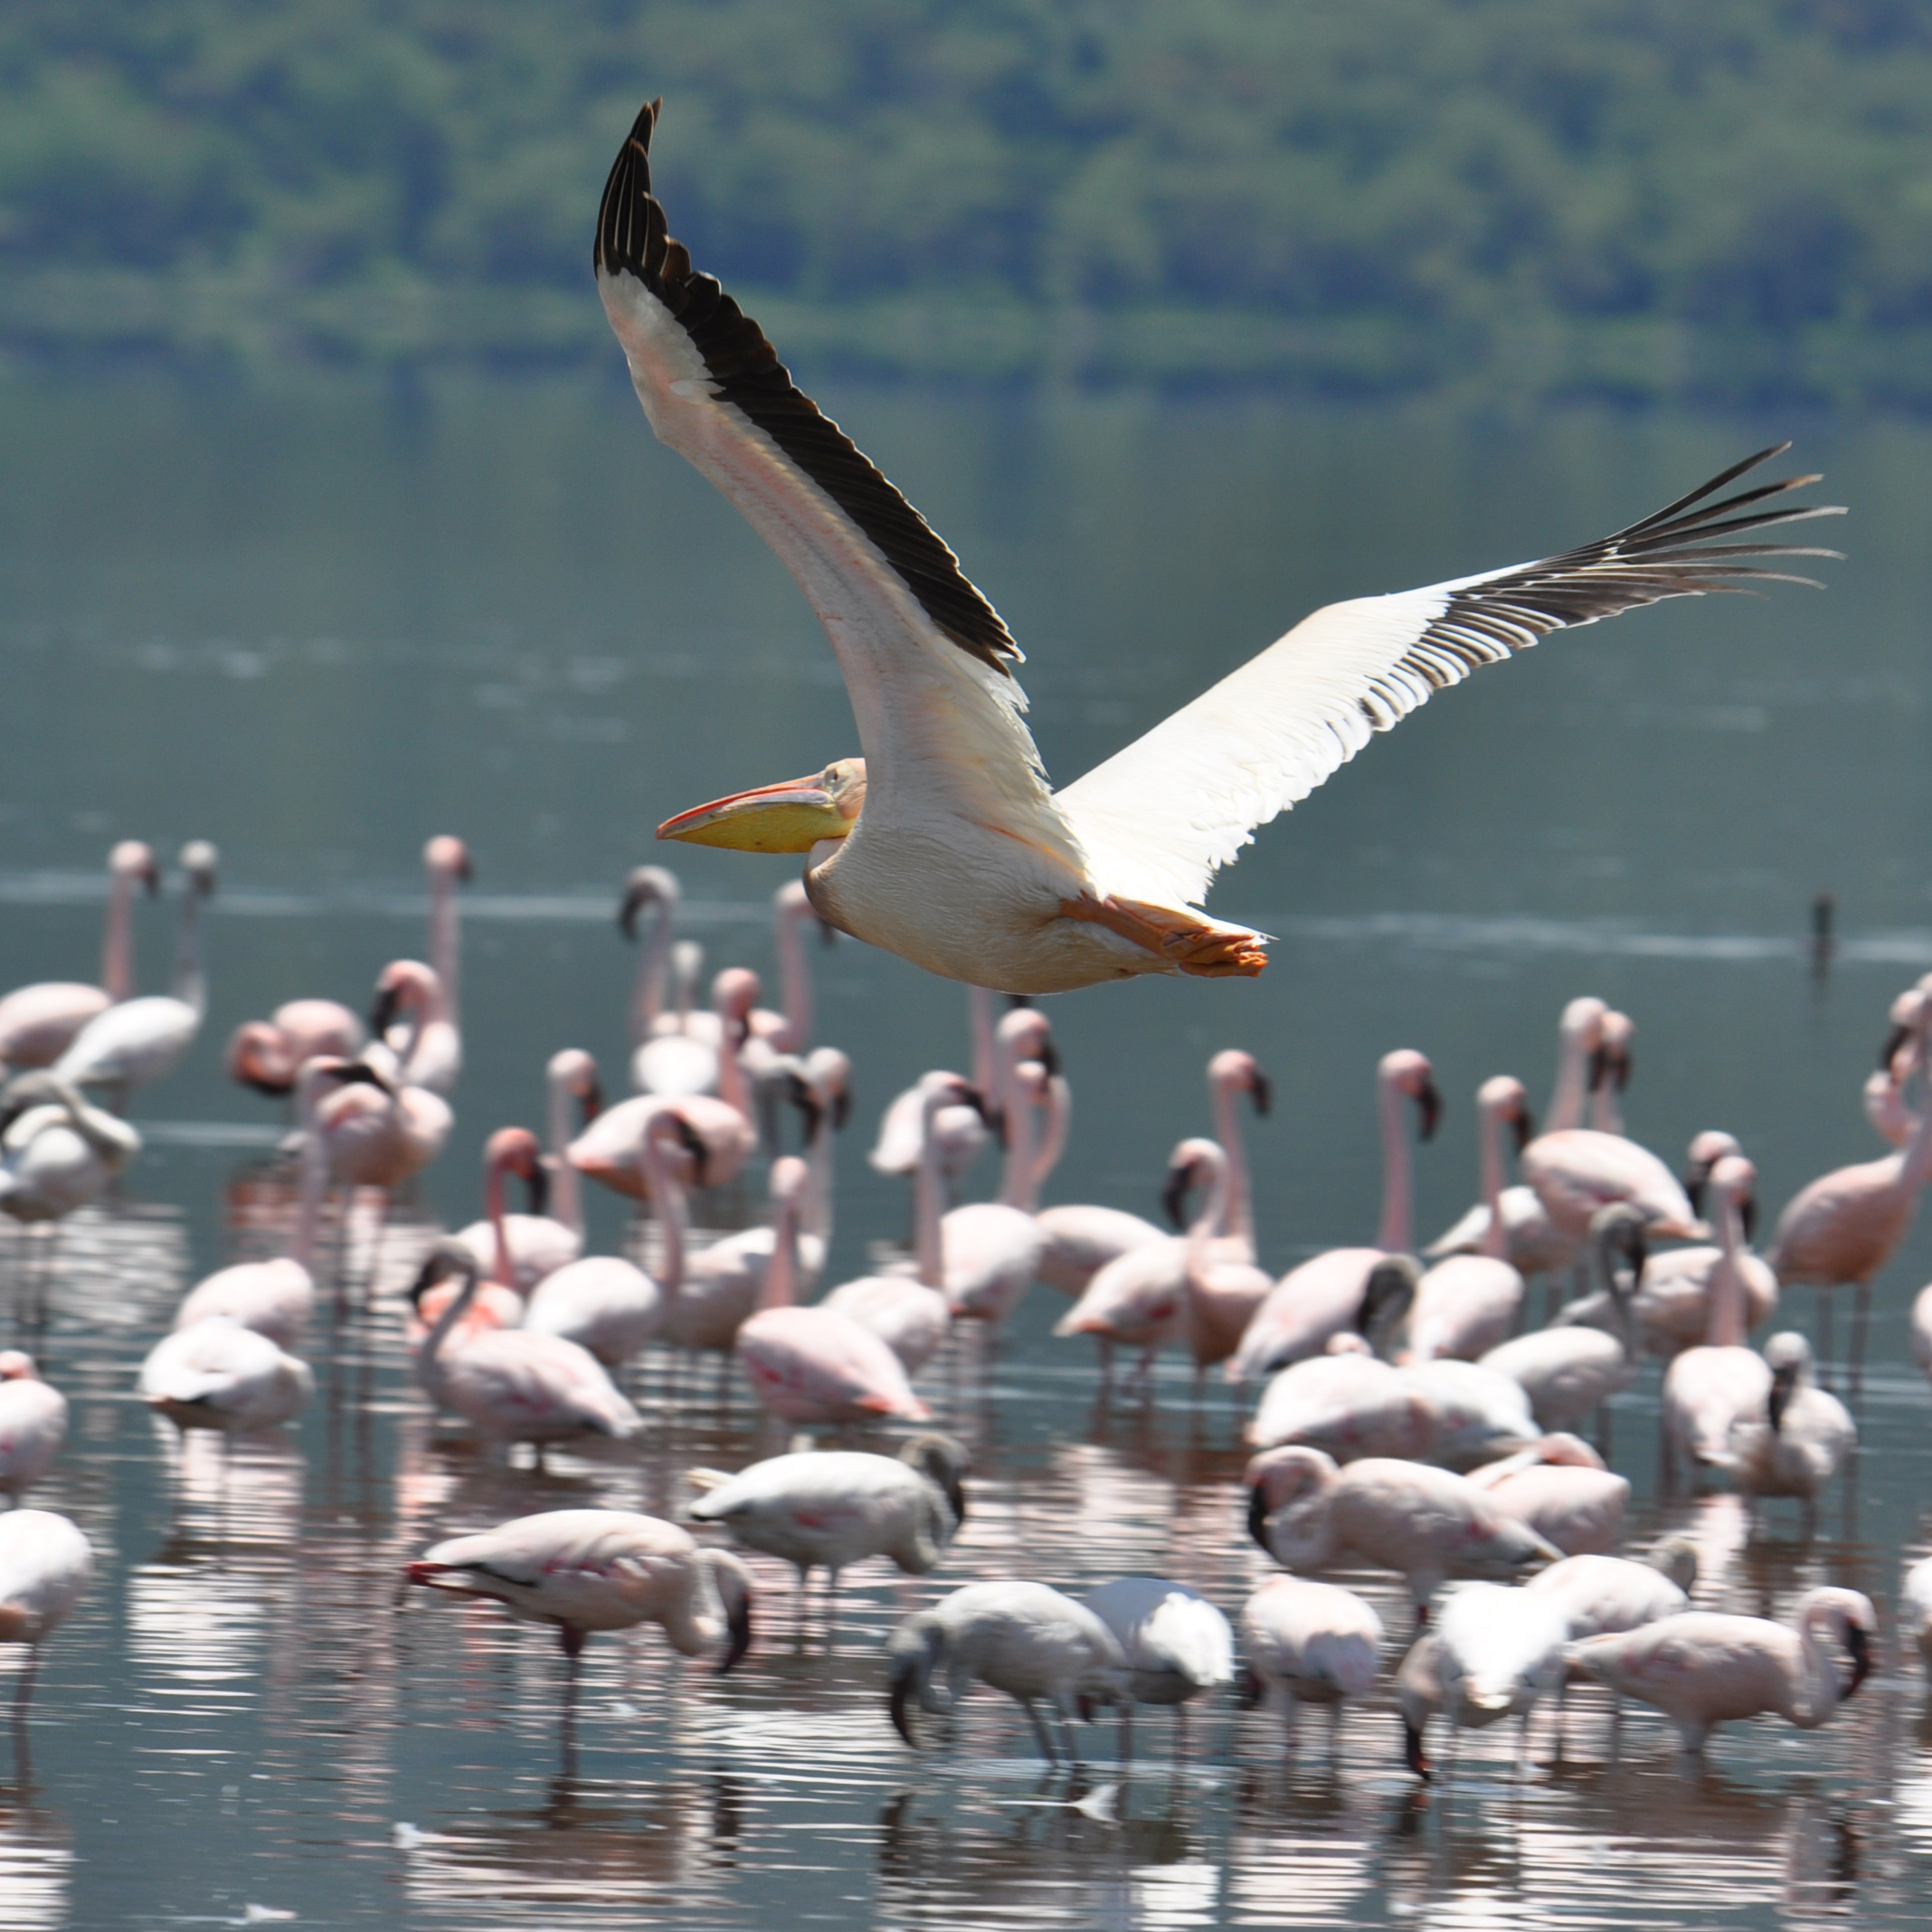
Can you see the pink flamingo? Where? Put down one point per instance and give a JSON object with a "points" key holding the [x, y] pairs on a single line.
{"points": [[1578, 1171], [275, 1298], [32, 1423], [990, 1250], [38, 1022], [268, 1054], [1561, 1488], [584, 1570], [379, 1134], [45, 1563], [1804, 1438], [1610, 1071], [964, 1131], [1467, 1303], [672, 1053], [815, 1365], [791, 1031], [1322, 1296], [219, 1375], [1884, 1094], [509, 1385], [1534, 1245], [1314, 1643], [1708, 1388], [518, 1249], [417, 1041], [1846, 1225], [1702, 1668]]}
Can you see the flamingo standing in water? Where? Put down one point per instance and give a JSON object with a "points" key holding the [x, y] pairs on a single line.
{"points": [[45, 1563], [966, 862], [57, 1152], [1312, 1642], [218, 1375], [268, 1054], [1802, 1439], [815, 1365], [1175, 1642], [378, 1135], [1322, 1296], [33, 1423], [964, 1131], [1561, 1488], [1846, 1225], [417, 1040], [275, 1298], [38, 1022], [136, 1042], [673, 1053], [432, 1054], [518, 1249]]}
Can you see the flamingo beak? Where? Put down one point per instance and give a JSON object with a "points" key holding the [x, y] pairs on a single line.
{"points": [[792, 817], [1429, 1103], [1257, 1517], [1262, 1093], [1525, 1126], [1860, 1646]]}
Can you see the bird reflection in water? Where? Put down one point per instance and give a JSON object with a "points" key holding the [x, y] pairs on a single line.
{"points": [[36, 1871]]}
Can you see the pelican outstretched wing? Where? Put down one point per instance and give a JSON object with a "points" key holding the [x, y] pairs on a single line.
{"points": [[926, 657], [1158, 818]]}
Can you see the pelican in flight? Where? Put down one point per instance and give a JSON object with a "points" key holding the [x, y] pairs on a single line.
{"points": [[945, 843]]}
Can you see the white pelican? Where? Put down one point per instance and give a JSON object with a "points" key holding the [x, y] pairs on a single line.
{"points": [[964, 860]]}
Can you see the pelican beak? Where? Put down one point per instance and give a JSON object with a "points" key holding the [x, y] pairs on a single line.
{"points": [[792, 817]]}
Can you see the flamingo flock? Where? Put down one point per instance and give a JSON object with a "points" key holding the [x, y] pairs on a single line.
{"points": [[1402, 1412]]}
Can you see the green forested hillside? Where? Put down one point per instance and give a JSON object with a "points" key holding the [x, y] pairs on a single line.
{"points": [[1722, 199]]}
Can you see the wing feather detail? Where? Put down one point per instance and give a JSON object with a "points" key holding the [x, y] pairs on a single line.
{"points": [[1160, 817]]}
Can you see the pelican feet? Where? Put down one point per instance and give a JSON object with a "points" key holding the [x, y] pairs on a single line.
{"points": [[1191, 943]]}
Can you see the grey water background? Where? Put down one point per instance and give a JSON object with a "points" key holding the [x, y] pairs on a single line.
{"points": [[318, 622]]}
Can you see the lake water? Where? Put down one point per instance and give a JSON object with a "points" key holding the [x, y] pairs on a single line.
{"points": [[318, 623]]}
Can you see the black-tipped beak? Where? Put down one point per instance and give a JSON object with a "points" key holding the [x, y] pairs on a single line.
{"points": [[1621, 1064], [801, 1096], [1429, 1104], [1599, 1060], [841, 1110], [1783, 1386], [1525, 1126], [1257, 1518], [466, 870], [1694, 1184], [970, 1096], [384, 1011], [592, 1103], [151, 879], [435, 1269], [900, 1705], [1174, 1194], [536, 1183], [1888, 1052], [1049, 1057], [1261, 1091], [692, 1141], [1860, 1646], [1747, 1217], [739, 1624], [359, 1073]]}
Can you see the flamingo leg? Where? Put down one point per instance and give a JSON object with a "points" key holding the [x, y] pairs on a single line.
{"points": [[1822, 1296], [1040, 1731], [1861, 1318], [22, 1697]]}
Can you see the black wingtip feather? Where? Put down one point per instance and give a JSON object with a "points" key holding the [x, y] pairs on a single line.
{"points": [[632, 239]]}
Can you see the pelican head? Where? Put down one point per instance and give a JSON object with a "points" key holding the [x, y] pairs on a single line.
{"points": [[792, 817]]}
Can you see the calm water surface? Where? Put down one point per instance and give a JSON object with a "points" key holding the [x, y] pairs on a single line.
{"points": [[317, 625]]}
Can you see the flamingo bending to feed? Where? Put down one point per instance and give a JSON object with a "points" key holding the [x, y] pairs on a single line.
{"points": [[269, 1055], [1706, 1390], [1804, 1438], [815, 1365], [1490, 1653], [829, 1509], [967, 864], [275, 1298], [1313, 1643], [1426, 1523], [583, 1570], [1320, 1298], [57, 1152], [1467, 1303], [38, 1022], [1702, 1668], [33, 1423], [1025, 1639], [137, 1041], [518, 1249], [1600, 1595], [45, 1563], [511, 1386], [1567, 1371], [219, 1375], [1532, 1244], [1845, 1226], [1175, 1642], [1561, 1488]]}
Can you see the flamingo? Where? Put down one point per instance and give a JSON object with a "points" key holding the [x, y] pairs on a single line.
{"points": [[1604, 1593], [672, 1054], [1610, 1071], [57, 1152], [829, 1509], [1579, 1170], [1426, 1523], [518, 1249], [790, 1031], [422, 1047], [1703, 1669], [1320, 1298], [268, 1054], [990, 1250], [38, 1022], [583, 1570], [45, 1563], [1314, 1643], [1175, 1642], [1532, 1244], [275, 1298], [1025, 1639], [1567, 1371], [511, 1386], [570, 1076], [380, 1131], [1467, 1303], [1805, 1435], [815, 1365], [1845, 1226], [137, 1041], [719, 1139], [1561, 1488], [1884, 1091], [1708, 1388], [964, 1131], [1490, 1653], [33, 1423], [1915, 1609], [969, 865], [218, 1375]]}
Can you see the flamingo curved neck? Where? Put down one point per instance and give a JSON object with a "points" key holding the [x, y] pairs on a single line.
{"points": [[1915, 1158], [314, 1173], [732, 1088], [1017, 1187], [794, 975], [428, 1361], [816, 1218], [1211, 1222], [1053, 1139], [928, 1242], [646, 999], [1727, 1327], [566, 1197], [1240, 1210], [1397, 1230], [668, 1198], [701, 1624], [191, 982], [445, 938], [116, 945], [781, 1276], [1568, 1098], [1824, 1691], [1495, 1236]]}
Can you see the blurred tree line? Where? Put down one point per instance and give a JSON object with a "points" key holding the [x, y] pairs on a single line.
{"points": [[1719, 199]]}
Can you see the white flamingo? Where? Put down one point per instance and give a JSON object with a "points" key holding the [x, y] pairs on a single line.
{"points": [[33, 1423], [1311, 1643], [1804, 1438], [45, 1563], [1175, 1642], [220, 1376], [57, 1152], [518, 1249]]}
